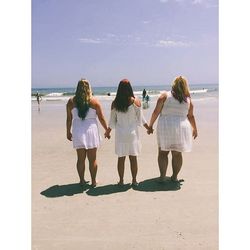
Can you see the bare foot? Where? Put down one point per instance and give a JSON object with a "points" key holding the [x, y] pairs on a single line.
{"points": [[135, 183], [94, 184], [174, 179], [82, 183]]}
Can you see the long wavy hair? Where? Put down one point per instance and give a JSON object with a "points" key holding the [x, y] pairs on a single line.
{"points": [[180, 89], [82, 97], [123, 96]]}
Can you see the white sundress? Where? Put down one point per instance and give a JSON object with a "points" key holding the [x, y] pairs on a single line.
{"points": [[85, 132], [126, 124], [174, 131]]}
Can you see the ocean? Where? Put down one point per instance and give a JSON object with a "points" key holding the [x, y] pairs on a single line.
{"points": [[108, 93]]}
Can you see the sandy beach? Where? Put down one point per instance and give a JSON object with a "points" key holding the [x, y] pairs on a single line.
{"points": [[155, 216]]}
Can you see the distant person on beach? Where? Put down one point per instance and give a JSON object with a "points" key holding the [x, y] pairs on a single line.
{"points": [[126, 115], [82, 112], [146, 102], [176, 126], [38, 99], [144, 93]]}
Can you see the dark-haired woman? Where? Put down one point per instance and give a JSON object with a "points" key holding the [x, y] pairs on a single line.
{"points": [[82, 112], [126, 115], [176, 126]]}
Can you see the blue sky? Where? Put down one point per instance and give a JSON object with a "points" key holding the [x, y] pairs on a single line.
{"points": [[146, 41]]}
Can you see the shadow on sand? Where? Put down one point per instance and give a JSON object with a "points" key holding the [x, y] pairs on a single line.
{"points": [[153, 185], [149, 185], [68, 190], [108, 189]]}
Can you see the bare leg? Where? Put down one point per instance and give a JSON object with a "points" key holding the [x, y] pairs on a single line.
{"points": [[176, 164], [81, 156], [163, 163], [91, 154], [120, 168], [134, 168]]}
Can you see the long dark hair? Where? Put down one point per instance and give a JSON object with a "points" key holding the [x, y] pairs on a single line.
{"points": [[82, 97], [123, 96], [180, 89]]}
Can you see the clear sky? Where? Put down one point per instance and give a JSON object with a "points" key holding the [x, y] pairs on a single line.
{"points": [[146, 41]]}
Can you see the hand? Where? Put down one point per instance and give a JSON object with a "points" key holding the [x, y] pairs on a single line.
{"points": [[107, 134], [150, 130], [195, 133], [69, 136]]}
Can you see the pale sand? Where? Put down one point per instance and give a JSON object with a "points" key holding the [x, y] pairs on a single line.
{"points": [[153, 217]]}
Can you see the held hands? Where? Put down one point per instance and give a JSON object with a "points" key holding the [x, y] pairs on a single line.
{"points": [[150, 130], [107, 134]]}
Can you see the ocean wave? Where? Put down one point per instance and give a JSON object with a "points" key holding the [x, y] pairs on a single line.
{"points": [[109, 93], [55, 94], [198, 91], [52, 98]]}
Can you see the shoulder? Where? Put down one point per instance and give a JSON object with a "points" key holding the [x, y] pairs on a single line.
{"points": [[94, 102], [70, 103], [163, 97], [137, 102]]}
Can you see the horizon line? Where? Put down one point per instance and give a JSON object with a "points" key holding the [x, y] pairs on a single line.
{"points": [[106, 86]]}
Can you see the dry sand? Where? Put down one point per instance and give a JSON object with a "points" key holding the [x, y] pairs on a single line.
{"points": [[157, 217]]}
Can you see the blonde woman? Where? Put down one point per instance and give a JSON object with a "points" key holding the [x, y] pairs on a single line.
{"points": [[176, 126], [82, 112]]}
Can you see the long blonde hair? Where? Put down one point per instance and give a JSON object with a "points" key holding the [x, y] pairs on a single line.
{"points": [[82, 97], [180, 89]]}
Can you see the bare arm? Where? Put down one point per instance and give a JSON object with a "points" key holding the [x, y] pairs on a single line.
{"points": [[157, 110], [112, 121], [69, 107], [100, 115], [191, 119], [140, 115]]}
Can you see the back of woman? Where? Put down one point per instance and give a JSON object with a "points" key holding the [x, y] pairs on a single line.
{"points": [[173, 128], [82, 113], [125, 117], [172, 107], [176, 126], [85, 131], [90, 115]]}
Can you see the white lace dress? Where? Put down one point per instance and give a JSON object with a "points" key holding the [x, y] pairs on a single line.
{"points": [[126, 124], [174, 131], [85, 133]]}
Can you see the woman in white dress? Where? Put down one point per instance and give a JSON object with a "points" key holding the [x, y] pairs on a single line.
{"points": [[176, 126], [125, 117], [82, 112]]}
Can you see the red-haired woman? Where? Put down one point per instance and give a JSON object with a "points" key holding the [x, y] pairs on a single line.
{"points": [[126, 115]]}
